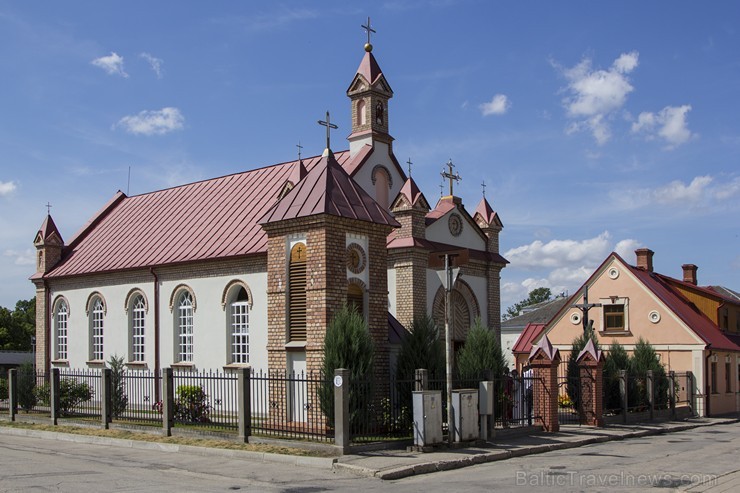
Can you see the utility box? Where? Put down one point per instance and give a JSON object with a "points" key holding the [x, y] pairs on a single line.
{"points": [[485, 398], [465, 406], [427, 417]]}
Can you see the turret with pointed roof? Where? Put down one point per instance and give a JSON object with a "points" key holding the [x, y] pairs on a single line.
{"points": [[369, 93], [488, 220], [410, 208], [49, 244]]}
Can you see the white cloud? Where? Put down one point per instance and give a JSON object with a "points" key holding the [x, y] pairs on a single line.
{"points": [[6, 188], [26, 257], [669, 124], [701, 191], [560, 253], [677, 192], [154, 62], [153, 122], [112, 64], [596, 94], [626, 248], [498, 105]]}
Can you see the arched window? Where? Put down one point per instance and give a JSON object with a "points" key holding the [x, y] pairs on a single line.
{"points": [[361, 112], [297, 293], [97, 316], [61, 318], [381, 179], [239, 326], [184, 324], [356, 298], [137, 313]]}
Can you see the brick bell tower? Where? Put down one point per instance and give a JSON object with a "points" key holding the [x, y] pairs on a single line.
{"points": [[489, 221], [49, 245]]}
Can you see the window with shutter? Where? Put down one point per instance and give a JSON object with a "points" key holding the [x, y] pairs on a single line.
{"points": [[297, 293]]}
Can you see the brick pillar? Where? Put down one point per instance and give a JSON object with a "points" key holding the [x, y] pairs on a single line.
{"points": [[544, 361], [591, 367], [43, 329]]}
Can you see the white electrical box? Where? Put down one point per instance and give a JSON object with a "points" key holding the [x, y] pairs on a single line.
{"points": [[485, 398], [465, 406], [427, 417]]}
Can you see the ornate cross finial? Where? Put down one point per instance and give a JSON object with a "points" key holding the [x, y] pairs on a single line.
{"points": [[409, 163], [450, 176], [48, 209], [329, 125], [483, 185], [368, 29], [299, 146]]}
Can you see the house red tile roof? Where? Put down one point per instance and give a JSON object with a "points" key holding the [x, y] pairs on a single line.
{"points": [[206, 220], [328, 189]]}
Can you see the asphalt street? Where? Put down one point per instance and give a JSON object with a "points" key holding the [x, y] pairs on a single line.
{"points": [[704, 459]]}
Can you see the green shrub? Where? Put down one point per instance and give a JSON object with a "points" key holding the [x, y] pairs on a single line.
{"points": [[481, 352], [71, 395], [645, 358], [348, 344], [191, 404], [3, 389], [26, 386], [616, 359], [119, 399], [422, 348]]}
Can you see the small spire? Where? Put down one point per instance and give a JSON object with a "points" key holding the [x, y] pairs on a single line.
{"points": [[368, 29]]}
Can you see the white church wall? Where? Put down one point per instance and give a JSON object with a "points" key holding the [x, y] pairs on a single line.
{"points": [[477, 284], [392, 291], [439, 231], [380, 156]]}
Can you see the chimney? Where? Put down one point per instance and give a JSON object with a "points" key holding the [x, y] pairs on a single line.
{"points": [[644, 259], [689, 273]]}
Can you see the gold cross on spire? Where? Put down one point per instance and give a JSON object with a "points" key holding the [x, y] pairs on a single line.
{"points": [[450, 176], [368, 30], [329, 125]]}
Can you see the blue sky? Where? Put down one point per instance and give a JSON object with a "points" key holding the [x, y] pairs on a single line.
{"points": [[596, 126]]}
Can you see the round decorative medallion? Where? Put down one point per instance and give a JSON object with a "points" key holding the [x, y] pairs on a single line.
{"points": [[654, 316], [575, 318], [613, 273], [356, 258], [455, 224]]}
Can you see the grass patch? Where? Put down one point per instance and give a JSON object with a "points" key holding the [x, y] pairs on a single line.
{"points": [[146, 437]]}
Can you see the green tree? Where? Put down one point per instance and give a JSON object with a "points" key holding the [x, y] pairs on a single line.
{"points": [[348, 344], [645, 358], [422, 348], [616, 359], [537, 295], [573, 384], [119, 399], [27, 386], [480, 352], [18, 326]]}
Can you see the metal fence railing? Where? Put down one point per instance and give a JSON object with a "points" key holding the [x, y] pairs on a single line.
{"points": [[206, 399], [4, 393], [32, 388], [378, 414], [135, 398], [292, 405]]}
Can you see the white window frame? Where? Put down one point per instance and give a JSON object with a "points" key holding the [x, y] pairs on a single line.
{"points": [[611, 301], [138, 329], [185, 327], [61, 328], [97, 330], [239, 325]]}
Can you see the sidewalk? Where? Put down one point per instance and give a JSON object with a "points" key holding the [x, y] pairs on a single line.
{"points": [[396, 464]]}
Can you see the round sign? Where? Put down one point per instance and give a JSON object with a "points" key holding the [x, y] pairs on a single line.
{"points": [[338, 381]]}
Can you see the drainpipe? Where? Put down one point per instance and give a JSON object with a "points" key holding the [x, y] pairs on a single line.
{"points": [[707, 380], [156, 335]]}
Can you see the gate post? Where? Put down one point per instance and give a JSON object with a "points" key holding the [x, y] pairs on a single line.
{"points": [[650, 383], [691, 391], [623, 393], [106, 399], [55, 396], [672, 392], [341, 409], [168, 401], [244, 403], [544, 361], [591, 368], [13, 392]]}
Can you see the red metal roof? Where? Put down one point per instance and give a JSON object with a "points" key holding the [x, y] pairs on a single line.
{"points": [[48, 228], [210, 219], [530, 334], [412, 193], [369, 68], [487, 213], [328, 189]]}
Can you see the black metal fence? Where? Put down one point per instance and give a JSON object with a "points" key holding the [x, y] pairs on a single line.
{"points": [[4, 393], [379, 415], [292, 405], [32, 387], [569, 400], [80, 393], [138, 399], [206, 399]]}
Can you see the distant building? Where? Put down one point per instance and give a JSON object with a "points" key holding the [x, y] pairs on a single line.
{"points": [[512, 328], [692, 328], [13, 359]]}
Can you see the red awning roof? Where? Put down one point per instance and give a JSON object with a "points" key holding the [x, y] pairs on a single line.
{"points": [[529, 336]]}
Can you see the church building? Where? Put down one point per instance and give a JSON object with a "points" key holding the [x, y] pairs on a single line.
{"points": [[248, 269]]}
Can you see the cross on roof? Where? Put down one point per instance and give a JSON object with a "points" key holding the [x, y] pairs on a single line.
{"points": [[329, 125], [299, 146], [409, 163], [48, 209], [483, 185], [368, 30], [585, 307], [450, 176]]}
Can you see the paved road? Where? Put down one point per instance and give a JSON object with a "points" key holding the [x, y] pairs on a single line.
{"points": [[668, 462]]}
